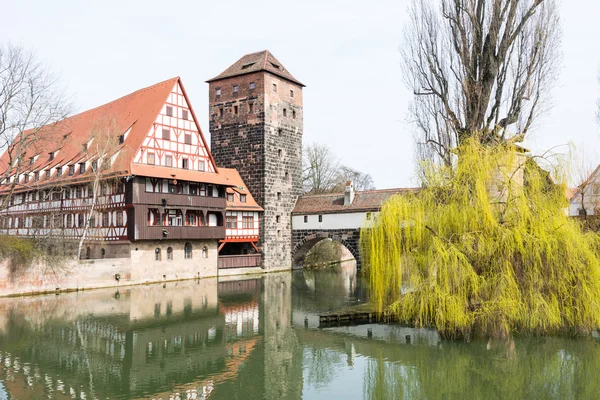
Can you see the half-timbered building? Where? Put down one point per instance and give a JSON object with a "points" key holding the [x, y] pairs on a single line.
{"points": [[131, 178]]}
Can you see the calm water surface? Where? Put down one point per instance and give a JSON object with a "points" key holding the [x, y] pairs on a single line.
{"points": [[259, 339]]}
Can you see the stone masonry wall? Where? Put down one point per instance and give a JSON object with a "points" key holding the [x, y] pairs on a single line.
{"points": [[265, 146], [304, 239]]}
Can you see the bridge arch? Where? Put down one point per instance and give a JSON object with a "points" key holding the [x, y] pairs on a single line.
{"points": [[303, 242]]}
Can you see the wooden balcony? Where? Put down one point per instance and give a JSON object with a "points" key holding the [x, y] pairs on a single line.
{"points": [[180, 200], [179, 232], [239, 261]]}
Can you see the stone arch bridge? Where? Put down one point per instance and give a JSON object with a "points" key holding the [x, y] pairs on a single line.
{"points": [[337, 216]]}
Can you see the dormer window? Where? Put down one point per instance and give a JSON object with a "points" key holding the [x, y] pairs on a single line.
{"points": [[48, 173], [95, 165], [36, 176], [71, 170], [230, 197], [31, 160], [58, 171], [121, 139], [26, 178], [51, 156], [243, 198]]}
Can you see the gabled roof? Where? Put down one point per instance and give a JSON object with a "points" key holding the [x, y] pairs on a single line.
{"points": [[79, 137], [368, 200], [255, 62], [238, 187]]}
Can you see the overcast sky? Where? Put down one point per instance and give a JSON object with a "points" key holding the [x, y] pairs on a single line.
{"points": [[345, 52]]}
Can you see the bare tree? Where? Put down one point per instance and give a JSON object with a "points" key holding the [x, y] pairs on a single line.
{"points": [[323, 173], [478, 67], [360, 180], [319, 169], [29, 101], [101, 144]]}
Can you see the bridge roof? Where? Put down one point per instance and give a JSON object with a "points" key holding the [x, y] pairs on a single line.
{"points": [[333, 203]]}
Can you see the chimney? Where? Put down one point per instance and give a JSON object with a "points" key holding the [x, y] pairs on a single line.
{"points": [[349, 193]]}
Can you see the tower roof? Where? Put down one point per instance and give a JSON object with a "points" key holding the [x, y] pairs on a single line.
{"points": [[255, 62]]}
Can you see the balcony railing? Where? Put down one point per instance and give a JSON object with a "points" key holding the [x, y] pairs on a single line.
{"points": [[240, 261], [156, 232]]}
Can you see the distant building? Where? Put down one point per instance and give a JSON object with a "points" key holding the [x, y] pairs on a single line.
{"points": [[585, 200]]}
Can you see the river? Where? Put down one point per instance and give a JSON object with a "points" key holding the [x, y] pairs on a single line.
{"points": [[258, 338]]}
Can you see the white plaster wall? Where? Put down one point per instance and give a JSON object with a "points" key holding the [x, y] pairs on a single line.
{"points": [[140, 268], [333, 221]]}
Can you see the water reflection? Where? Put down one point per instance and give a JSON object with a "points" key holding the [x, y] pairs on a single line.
{"points": [[258, 339]]}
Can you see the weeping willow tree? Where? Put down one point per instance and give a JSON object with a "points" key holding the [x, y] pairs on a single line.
{"points": [[485, 248]]}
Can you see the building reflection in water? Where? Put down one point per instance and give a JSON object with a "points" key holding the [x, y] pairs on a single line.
{"points": [[181, 339]]}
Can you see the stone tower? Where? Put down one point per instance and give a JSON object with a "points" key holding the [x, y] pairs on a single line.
{"points": [[255, 109]]}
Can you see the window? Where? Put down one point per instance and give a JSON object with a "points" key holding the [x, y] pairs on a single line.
{"points": [[278, 233], [169, 161], [36, 176], [95, 165], [26, 178], [151, 158], [187, 251], [187, 139], [278, 195], [274, 87], [287, 177], [102, 253], [191, 219], [221, 112], [235, 110], [78, 192], [368, 216], [169, 111], [251, 108], [71, 170], [80, 220], [279, 131], [202, 190], [243, 198], [119, 218], [166, 134], [51, 156], [157, 258], [277, 218], [291, 93], [201, 165], [218, 92], [48, 172], [169, 253], [31, 160], [105, 219], [279, 153], [252, 85], [305, 219], [235, 88], [184, 163], [104, 189], [153, 217], [230, 197], [58, 171], [82, 168], [231, 222], [294, 114], [248, 222], [121, 139], [320, 218], [184, 114], [285, 112], [205, 252], [69, 220]]}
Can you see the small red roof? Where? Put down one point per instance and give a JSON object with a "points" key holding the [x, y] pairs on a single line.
{"points": [[368, 200], [238, 188]]}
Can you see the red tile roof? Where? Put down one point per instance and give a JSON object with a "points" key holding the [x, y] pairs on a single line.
{"points": [[132, 114], [255, 62], [368, 200], [238, 188]]}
